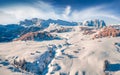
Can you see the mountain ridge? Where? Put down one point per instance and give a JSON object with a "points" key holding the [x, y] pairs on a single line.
{"points": [[11, 31]]}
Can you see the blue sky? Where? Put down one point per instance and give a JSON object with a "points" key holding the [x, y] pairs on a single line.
{"points": [[12, 11]]}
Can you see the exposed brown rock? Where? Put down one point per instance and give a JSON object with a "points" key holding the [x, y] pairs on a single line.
{"points": [[107, 32], [35, 36]]}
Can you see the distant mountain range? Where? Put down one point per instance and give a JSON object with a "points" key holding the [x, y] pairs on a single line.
{"points": [[45, 23], [12, 31], [95, 23]]}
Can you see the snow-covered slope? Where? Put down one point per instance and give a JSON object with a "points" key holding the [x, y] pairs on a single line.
{"points": [[74, 54]]}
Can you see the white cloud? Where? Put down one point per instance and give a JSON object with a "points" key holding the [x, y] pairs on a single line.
{"points": [[95, 13], [14, 14], [6, 18], [67, 12], [86, 13]]}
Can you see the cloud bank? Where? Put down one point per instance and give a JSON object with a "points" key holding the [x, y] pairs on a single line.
{"points": [[13, 14]]}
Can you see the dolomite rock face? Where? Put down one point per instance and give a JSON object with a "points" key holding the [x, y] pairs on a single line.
{"points": [[38, 36], [107, 32], [95, 23]]}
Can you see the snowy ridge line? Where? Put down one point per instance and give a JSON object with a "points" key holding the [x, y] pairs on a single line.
{"points": [[58, 52], [38, 66], [46, 59]]}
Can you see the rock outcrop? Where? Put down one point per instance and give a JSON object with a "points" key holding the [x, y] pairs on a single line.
{"points": [[107, 32], [95, 23], [37, 36]]}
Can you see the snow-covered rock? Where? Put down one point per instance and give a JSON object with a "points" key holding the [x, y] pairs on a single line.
{"points": [[58, 28], [95, 23]]}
